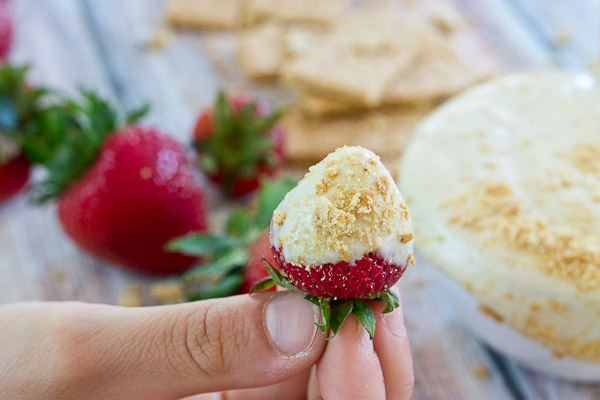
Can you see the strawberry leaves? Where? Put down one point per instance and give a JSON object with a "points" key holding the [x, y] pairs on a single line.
{"points": [[240, 143], [334, 311], [85, 126], [225, 255]]}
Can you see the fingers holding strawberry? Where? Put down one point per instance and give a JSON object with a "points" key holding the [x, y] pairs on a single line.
{"points": [[239, 141]]}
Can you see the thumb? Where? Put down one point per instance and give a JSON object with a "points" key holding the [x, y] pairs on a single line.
{"points": [[175, 351]]}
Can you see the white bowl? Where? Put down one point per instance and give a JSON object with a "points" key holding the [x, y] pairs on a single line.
{"points": [[506, 340]]}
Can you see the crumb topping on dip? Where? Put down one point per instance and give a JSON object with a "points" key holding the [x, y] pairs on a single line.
{"points": [[346, 206]]}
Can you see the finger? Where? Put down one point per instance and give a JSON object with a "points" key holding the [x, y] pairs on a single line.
{"points": [[392, 348], [349, 369], [170, 352], [292, 389], [206, 396], [313, 385]]}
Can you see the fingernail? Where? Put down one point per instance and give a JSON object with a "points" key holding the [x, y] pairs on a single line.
{"points": [[290, 323], [394, 322]]}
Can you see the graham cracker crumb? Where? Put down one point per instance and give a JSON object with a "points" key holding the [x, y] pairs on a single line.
{"points": [[161, 39], [279, 217], [535, 306], [411, 259], [481, 372], [562, 251], [557, 306], [491, 313], [557, 354], [383, 184], [131, 296], [167, 292], [407, 237]]}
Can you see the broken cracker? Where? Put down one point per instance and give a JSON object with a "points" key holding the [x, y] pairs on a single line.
{"points": [[384, 131], [438, 73], [323, 12], [358, 59], [206, 14], [261, 50]]}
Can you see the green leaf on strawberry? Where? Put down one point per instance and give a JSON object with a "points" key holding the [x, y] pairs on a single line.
{"points": [[335, 311], [228, 254]]}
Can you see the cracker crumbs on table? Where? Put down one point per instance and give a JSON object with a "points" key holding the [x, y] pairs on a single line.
{"points": [[131, 296], [161, 39], [481, 372], [167, 292], [491, 313]]}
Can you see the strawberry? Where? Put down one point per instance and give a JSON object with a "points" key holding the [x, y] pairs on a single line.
{"points": [[239, 141], [6, 29], [24, 137], [342, 236], [124, 192], [258, 253], [14, 174], [232, 261]]}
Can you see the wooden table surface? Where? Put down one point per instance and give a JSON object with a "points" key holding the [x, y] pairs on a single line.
{"points": [[100, 44]]}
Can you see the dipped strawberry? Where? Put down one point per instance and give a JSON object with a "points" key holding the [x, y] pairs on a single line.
{"points": [[239, 141], [232, 261], [343, 235], [124, 191]]}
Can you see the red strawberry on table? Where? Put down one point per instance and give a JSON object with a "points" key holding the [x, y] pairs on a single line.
{"points": [[342, 236], [123, 192], [233, 260], [14, 174], [23, 121], [239, 141], [6, 29]]}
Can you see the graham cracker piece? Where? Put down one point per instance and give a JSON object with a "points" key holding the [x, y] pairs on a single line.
{"points": [[438, 73], [321, 12], [386, 132], [261, 51], [358, 59], [206, 14], [264, 49]]}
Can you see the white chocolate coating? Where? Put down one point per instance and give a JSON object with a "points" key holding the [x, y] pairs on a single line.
{"points": [[346, 206]]}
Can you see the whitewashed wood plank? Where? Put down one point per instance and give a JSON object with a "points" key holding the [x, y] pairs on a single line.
{"points": [[37, 261], [571, 29]]}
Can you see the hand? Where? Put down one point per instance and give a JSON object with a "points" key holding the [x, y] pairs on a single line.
{"points": [[267, 341]]}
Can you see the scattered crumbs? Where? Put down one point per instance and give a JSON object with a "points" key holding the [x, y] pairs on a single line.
{"points": [[468, 285], [279, 217], [419, 283], [498, 190], [535, 306], [57, 275], [407, 237], [491, 313], [161, 39], [509, 296], [411, 259], [485, 148], [586, 157], [563, 252], [481, 372], [489, 164], [557, 354], [167, 292], [131, 296], [146, 173], [562, 38], [557, 306]]}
